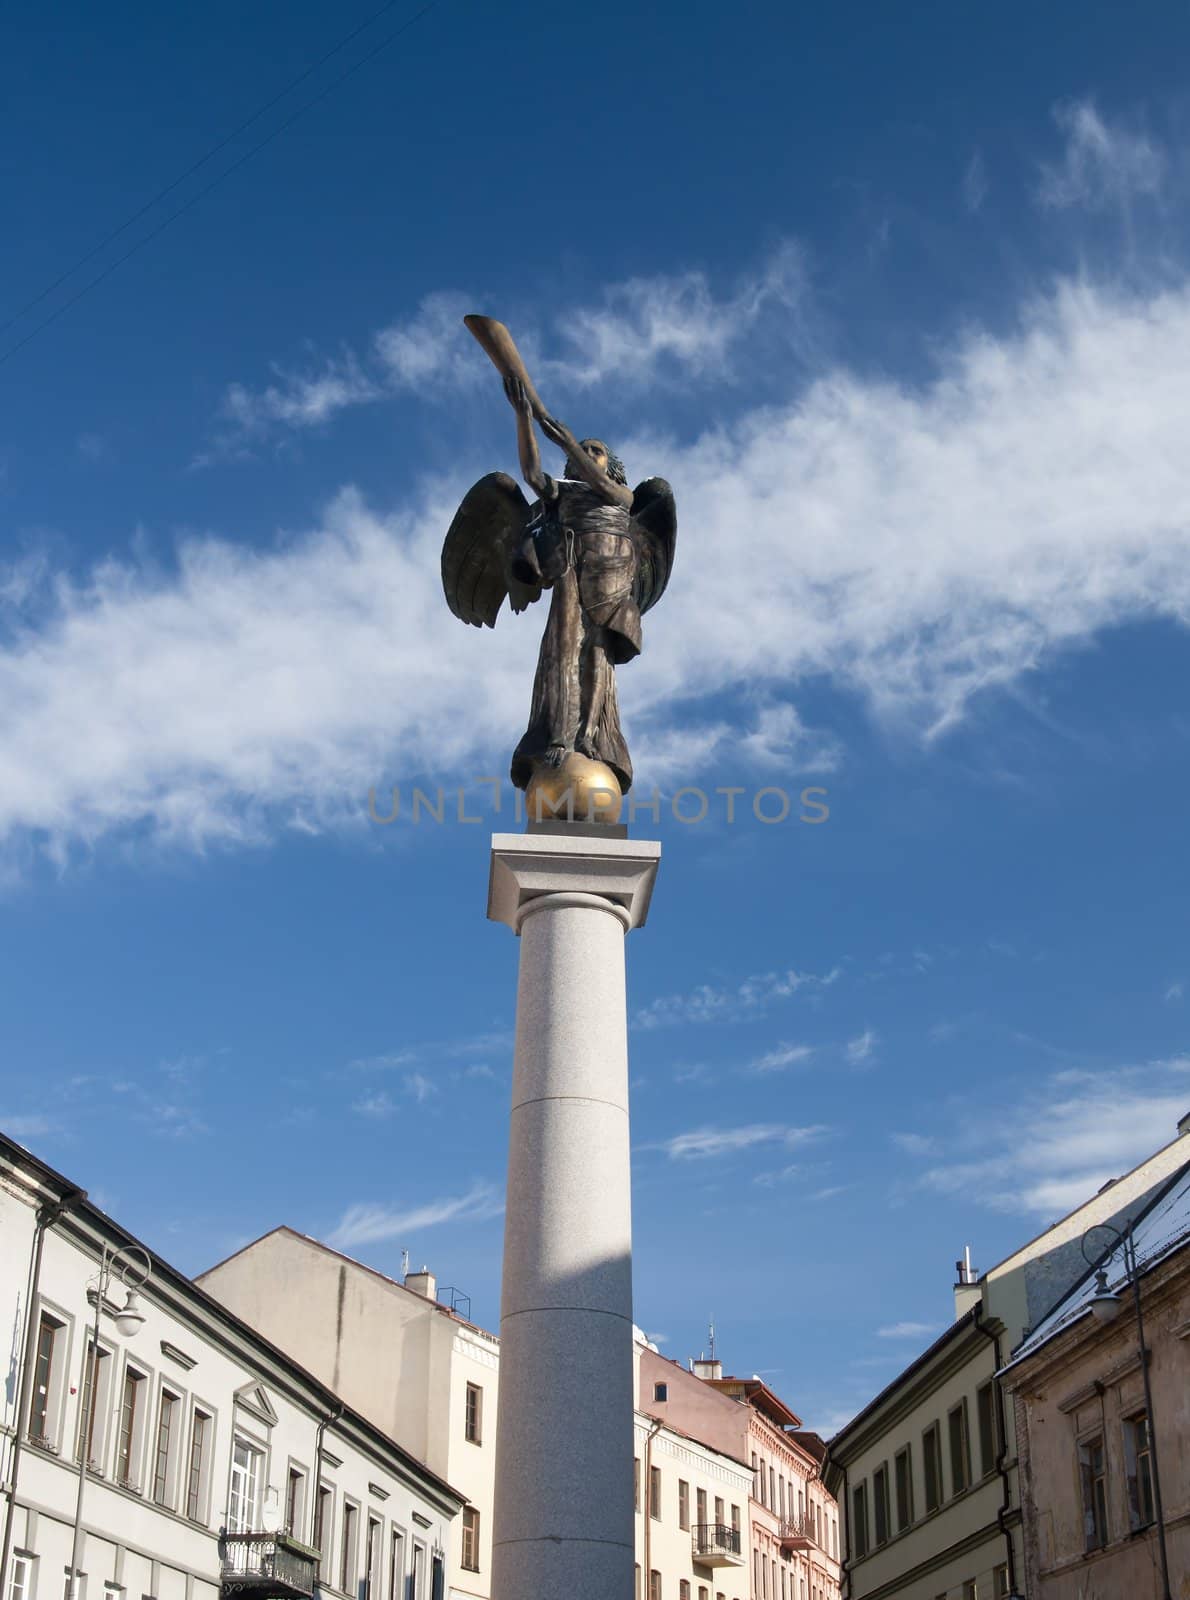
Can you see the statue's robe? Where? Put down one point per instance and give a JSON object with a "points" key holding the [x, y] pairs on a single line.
{"points": [[589, 549]]}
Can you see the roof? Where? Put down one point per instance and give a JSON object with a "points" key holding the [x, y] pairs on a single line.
{"points": [[758, 1394], [78, 1203], [962, 1325], [1158, 1233], [374, 1272]]}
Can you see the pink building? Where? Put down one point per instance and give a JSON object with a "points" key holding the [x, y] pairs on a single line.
{"points": [[791, 1542]]}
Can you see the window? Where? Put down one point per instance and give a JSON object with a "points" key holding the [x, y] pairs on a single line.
{"points": [[1000, 1582], [473, 1429], [971, 1590], [163, 1449], [94, 1406], [755, 1478], [471, 1538], [960, 1452], [859, 1518], [879, 1504], [416, 1573], [931, 1452], [128, 1443], [295, 1503], [772, 1488], [683, 1504], [655, 1495], [989, 1433], [1138, 1465], [661, 1392], [324, 1516], [243, 1498], [781, 1496], [654, 1586], [763, 1481], [20, 1584], [735, 1519], [196, 1467], [683, 1589], [636, 1484], [1093, 1477], [347, 1551], [701, 1503], [372, 1560], [45, 1373], [903, 1475], [396, 1572], [818, 1516]]}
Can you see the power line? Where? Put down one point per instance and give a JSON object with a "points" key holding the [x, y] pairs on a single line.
{"points": [[226, 173]]}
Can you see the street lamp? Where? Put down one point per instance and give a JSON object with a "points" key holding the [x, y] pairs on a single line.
{"points": [[1106, 1306], [129, 1320]]}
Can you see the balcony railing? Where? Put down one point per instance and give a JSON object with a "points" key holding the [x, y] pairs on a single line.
{"points": [[717, 1545], [266, 1564], [799, 1532]]}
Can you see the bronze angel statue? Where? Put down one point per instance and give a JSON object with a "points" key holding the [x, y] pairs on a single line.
{"points": [[605, 551]]}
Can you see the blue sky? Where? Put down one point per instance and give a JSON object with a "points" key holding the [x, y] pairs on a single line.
{"points": [[900, 303]]}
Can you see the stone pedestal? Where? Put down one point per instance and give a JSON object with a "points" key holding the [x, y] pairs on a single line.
{"points": [[564, 1502]]}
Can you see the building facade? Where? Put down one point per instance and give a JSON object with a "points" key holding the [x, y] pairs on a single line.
{"points": [[928, 1472], [216, 1465], [1086, 1445], [415, 1368], [787, 1529]]}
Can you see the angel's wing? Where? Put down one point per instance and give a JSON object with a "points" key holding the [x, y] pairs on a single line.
{"points": [[478, 550], [656, 518]]}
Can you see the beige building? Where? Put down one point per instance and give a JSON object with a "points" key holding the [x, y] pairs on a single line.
{"points": [[217, 1466], [1086, 1450], [782, 1542], [928, 1471], [415, 1368]]}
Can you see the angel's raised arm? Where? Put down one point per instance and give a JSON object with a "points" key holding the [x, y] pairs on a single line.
{"points": [[616, 494]]}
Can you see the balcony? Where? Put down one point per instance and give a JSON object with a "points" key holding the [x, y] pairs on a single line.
{"points": [[717, 1545], [798, 1533], [266, 1565]]}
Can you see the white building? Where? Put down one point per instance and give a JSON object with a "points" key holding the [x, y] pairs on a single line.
{"points": [[218, 1466], [416, 1369], [430, 1377]]}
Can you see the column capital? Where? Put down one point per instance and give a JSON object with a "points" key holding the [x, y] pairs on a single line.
{"points": [[526, 866]]}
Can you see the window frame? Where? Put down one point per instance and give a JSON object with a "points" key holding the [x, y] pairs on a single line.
{"points": [[198, 1494], [473, 1413], [167, 1479], [373, 1577], [654, 1495], [470, 1535], [882, 1521], [859, 1519], [131, 1430], [959, 1413], [51, 1388], [254, 1476], [931, 1466], [1134, 1455], [98, 1365], [903, 1487], [1093, 1491], [684, 1505], [349, 1545]]}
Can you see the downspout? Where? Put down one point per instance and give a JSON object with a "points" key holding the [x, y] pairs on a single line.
{"points": [[647, 1502], [47, 1215], [1002, 1458], [845, 1503], [331, 1416]]}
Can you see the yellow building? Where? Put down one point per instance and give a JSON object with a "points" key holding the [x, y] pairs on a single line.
{"points": [[928, 1472]]}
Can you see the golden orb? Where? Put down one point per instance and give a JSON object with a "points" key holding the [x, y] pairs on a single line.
{"points": [[576, 790]]}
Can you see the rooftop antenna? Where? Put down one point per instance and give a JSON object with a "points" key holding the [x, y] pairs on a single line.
{"points": [[712, 1334], [404, 1263]]}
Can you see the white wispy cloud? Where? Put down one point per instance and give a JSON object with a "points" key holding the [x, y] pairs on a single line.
{"points": [[1060, 1142], [708, 1003], [21, 1128], [907, 1330], [861, 1047], [716, 1141], [371, 1224], [784, 1055], [642, 332], [975, 182], [914, 1144], [923, 546], [1104, 163], [1175, 991], [378, 1106]]}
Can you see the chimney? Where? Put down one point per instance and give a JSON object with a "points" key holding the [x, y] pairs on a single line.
{"points": [[1184, 1124], [706, 1369], [966, 1290], [423, 1283]]}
